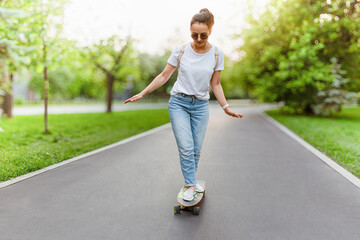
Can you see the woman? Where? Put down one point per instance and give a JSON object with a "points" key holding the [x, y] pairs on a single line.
{"points": [[200, 65]]}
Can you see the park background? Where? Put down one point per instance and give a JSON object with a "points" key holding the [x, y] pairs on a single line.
{"points": [[301, 54]]}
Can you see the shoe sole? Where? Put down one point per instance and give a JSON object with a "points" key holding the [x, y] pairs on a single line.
{"points": [[188, 200]]}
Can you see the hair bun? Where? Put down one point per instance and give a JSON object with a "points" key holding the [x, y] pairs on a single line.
{"points": [[203, 16], [204, 10]]}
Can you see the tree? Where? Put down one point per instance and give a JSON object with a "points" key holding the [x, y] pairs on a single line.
{"points": [[287, 55], [334, 96], [72, 76], [10, 54], [46, 19], [115, 58], [339, 31]]}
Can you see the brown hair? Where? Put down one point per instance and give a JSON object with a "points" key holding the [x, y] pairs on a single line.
{"points": [[204, 16]]}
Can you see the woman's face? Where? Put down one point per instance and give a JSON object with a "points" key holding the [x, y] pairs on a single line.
{"points": [[200, 34]]}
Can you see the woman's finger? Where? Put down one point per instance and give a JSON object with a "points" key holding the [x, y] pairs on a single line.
{"points": [[133, 98], [237, 115], [129, 100]]}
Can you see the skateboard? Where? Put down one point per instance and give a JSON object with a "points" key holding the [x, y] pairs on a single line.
{"points": [[190, 205]]}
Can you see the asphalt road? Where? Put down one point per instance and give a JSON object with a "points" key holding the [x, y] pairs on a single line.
{"points": [[260, 184]]}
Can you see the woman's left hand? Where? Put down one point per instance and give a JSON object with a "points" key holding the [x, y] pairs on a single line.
{"points": [[230, 112]]}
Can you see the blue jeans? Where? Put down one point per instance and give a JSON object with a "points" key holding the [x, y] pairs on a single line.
{"points": [[189, 118]]}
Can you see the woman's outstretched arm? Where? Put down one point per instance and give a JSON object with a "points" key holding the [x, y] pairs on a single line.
{"points": [[160, 80], [219, 94]]}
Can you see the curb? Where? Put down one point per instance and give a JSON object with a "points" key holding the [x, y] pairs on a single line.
{"points": [[346, 174], [32, 174]]}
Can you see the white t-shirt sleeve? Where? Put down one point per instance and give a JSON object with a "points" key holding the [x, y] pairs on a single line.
{"points": [[173, 59], [220, 65]]}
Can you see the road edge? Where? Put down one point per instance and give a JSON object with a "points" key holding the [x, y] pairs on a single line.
{"points": [[82, 156], [342, 171]]}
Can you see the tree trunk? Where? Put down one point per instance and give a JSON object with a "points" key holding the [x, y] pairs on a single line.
{"points": [[46, 87], [247, 94], [8, 99], [109, 98], [46, 91]]}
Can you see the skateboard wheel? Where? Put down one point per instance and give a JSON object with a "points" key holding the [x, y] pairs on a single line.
{"points": [[196, 210], [177, 209]]}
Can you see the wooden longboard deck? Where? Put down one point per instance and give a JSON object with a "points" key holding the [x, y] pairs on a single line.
{"points": [[198, 196]]}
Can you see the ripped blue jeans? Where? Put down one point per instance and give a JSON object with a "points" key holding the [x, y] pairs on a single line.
{"points": [[189, 117]]}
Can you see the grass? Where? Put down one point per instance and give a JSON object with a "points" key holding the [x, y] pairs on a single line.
{"points": [[338, 138], [25, 148]]}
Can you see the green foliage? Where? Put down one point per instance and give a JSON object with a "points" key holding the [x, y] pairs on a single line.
{"points": [[286, 56], [150, 66], [116, 59], [86, 80], [11, 54], [60, 80], [233, 88], [115, 55], [35, 32], [68, 83], [86, 84], [333, 97]]}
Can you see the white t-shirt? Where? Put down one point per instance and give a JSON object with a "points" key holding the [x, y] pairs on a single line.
{"points": [[195, 71]]}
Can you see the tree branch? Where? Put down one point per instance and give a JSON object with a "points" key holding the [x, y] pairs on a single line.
{"points": [[119, 57]]}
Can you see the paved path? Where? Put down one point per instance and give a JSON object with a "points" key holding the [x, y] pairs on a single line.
{"points": [[117, 107], [261, 184], [86, 108]]}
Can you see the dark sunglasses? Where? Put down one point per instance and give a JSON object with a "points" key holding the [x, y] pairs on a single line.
{"points": [[203, 36]]}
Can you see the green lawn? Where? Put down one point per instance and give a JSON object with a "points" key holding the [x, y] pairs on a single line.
{"points": [[25, 148], [338, 138]]}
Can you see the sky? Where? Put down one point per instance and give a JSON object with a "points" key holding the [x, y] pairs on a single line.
{"points": [[156, 24]]}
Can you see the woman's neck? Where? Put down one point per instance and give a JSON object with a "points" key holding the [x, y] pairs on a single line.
{"points": [[201, 49]]}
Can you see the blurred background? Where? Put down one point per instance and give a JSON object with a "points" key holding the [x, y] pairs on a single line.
{"points": [[303, 54]]}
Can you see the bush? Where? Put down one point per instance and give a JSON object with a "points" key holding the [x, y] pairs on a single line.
{"points": [[333, 96]]}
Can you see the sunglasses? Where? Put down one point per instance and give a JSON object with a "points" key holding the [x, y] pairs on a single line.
{"points": [[203, 36]]}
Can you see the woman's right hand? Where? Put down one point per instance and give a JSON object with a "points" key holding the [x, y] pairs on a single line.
{"points": [[134, 98], [231, 113]]}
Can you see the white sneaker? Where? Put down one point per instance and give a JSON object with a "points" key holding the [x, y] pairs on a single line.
{"points": [[199, 188], [189, 194]]}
